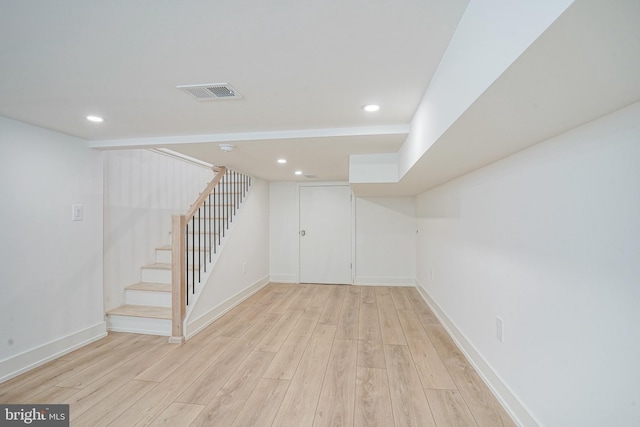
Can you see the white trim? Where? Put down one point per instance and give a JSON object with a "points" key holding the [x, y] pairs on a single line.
{"points": [[384, 281], [23, 362], [197, 325], [284, 278], [353, 236], [140, 325], [516, 409], [250, 136]]}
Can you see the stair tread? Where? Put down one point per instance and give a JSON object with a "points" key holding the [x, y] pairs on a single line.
{"points": [[158, 266], [165, 266], [213, 218], [189, 248], [142, 311], [151, 287]]}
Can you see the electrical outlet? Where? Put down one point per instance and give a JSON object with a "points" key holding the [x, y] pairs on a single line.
{"points": [[500, 329]]}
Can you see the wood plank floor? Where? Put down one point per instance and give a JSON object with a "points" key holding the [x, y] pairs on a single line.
{"points": [[290, 355]]}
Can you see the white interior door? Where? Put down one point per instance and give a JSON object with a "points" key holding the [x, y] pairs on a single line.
{"points": [[325, 234]]}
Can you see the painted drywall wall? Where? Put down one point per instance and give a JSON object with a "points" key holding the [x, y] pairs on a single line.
{"points": [[142, 189], [491, 35], [243, 262], [549, 240], [385, 230], [373, 168], [385, 241], [51, 286]]}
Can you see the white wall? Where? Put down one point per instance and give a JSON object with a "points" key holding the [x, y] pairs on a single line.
{"points": [[491, 35], [373, 168], [385, 230], [243, 266], [142, 190], [549, 240], [385, 241], [51, 267]]}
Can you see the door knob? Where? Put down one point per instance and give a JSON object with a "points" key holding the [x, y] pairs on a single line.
{"points": [[302, 232]]}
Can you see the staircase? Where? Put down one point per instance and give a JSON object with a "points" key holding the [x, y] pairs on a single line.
{"points": [[147, 305]]}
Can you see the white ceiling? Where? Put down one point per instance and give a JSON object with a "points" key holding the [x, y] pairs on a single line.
{"points": [[304, 69], [298, 64]]}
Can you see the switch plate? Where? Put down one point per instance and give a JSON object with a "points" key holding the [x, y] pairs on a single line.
{"points": [[500, 329], [76, 212]]}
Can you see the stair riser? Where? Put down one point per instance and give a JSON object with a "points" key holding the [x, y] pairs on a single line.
{"points": [[163, 256], [155, 299], [155, 276], [139, 325]]}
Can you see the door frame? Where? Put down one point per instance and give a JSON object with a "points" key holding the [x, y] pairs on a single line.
{"points": [[353, 221]]}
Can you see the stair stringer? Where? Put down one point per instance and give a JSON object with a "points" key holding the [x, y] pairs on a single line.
{"points": [[211, 267], [224, 291]]}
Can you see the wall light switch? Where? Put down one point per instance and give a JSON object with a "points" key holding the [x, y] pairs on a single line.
{"points": [[499, 329], [76, 212]]}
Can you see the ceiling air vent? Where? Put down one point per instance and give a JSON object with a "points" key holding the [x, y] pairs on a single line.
{"points": [[310, 175], [211, 91]]}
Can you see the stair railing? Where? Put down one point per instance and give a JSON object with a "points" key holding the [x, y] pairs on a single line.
{"points": [[197, 236]]}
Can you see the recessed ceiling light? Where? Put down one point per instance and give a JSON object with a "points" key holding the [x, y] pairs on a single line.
{"points": [[95, 119], [226, 147], [371, 108], [282, 161], [298, 172]]}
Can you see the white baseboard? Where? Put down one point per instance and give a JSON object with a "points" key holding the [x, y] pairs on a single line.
{"points": [[384, 281], [516, 409], [284, 278], [23, 362], [196, 325]]}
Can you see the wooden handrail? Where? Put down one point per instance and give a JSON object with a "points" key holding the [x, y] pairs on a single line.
{"points": [[194, 208]]}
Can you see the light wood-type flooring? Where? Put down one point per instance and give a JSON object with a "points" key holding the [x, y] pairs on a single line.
{"points": [[290, 355]]}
